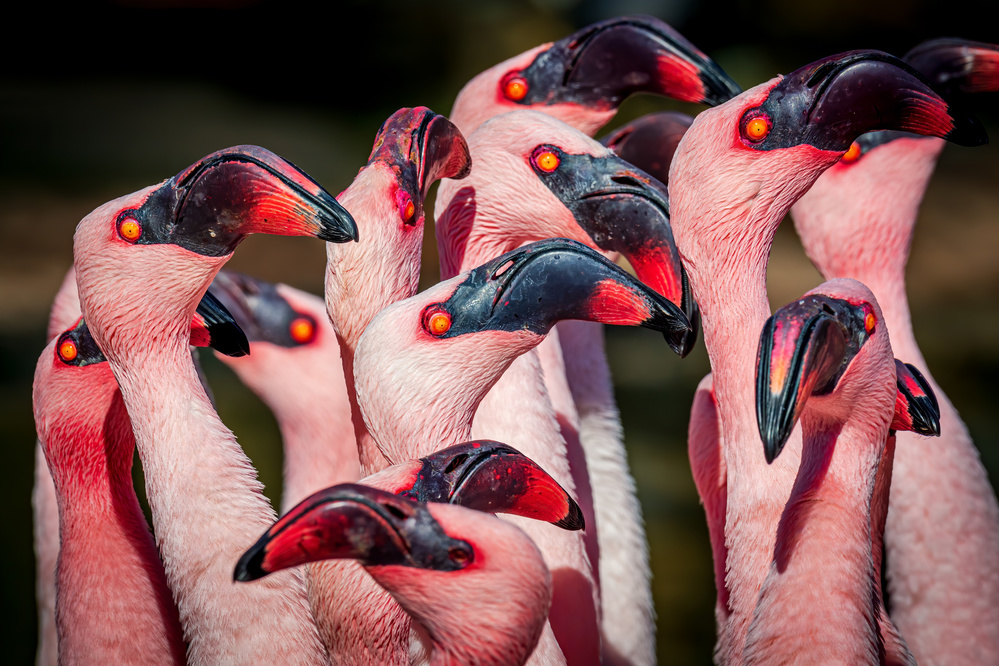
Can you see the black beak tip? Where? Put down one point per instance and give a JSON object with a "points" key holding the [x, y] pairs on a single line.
{"points": [[229, 340], [573, 519], [772, 448], [718, 87], [250, 566], [968, 131], [337, 225]]}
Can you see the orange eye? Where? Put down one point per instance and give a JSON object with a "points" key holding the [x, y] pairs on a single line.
{"points": [[547, 161], [129, 229], [515, 88], [439, 323], [757, 128], [67, 351], [302, 330], [853, 154], [869, 322], [407, 209]]}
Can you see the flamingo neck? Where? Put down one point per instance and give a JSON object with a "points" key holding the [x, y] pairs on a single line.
{"points": [[822, 574]]}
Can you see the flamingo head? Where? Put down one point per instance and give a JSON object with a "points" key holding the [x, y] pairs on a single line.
{"points": [[536, 178], [482, 475], [742, 165], [583, 78], [830, 350], [441, 562], [438, 353], [413, 148], [153, 253]]}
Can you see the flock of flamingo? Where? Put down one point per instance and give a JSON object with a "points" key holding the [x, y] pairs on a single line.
{"points": [[410, 419]]}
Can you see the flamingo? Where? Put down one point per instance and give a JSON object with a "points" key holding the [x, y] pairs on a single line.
{"points": [[581, 191], [581, 80], [737, 171], [460, 325], [212, 325], [942, 533], [480, 475], [170, 240], [826, 360], [476, 587], [107, 565], [412, 149], [294, 367]]}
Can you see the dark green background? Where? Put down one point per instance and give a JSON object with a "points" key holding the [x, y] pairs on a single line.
{"points": [[101, 99]]}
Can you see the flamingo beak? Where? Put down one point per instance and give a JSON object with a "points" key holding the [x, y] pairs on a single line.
{"points": [[832, 101], [804, 349], [625, 210], [957, 66], [350, 521], [606, 62], [421, 147], [916, 406], [211, 206], [86, 351], [495, 478], [213, 326], [536, 286], [259, 308]]}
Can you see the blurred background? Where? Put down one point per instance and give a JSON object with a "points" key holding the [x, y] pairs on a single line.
{"points": [[99, 99]]}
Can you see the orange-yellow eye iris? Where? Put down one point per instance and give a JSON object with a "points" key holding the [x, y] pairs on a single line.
{"points": [[302, 330], [67, 350], [757, 128], [869, 322], [439, 323], [407, 209], [129, 229], [547, 161], [515, 88], [853, 154]]}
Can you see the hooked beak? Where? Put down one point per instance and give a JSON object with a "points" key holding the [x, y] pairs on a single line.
{"points": [[832, 101], [214, 326], [804, 349], [261, 310], [536, 286], [211, 206], [604, 63], [623, 209], [916, 406], [957, 66], [350, 521], [423, 146], [495, 478]]}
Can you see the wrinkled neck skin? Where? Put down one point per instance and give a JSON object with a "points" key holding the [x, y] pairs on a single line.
{"points": [[490, 613], [196, 473], [857, 221], [482, 98], [818, 602], [362, 278], [727, 201], [108, 569]]}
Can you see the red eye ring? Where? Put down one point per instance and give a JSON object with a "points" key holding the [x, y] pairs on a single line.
{"points": [[756, 126], [514, 87], [436, 321], [545, 159], [851, 155], [302, 329], [67, 350], [129, 229]]}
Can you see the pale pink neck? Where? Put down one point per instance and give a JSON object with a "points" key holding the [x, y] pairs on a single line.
{"points": [[207, 508], [818, 599]]}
